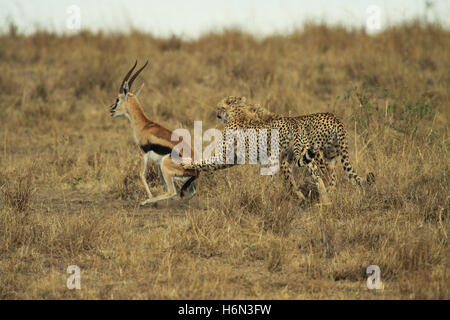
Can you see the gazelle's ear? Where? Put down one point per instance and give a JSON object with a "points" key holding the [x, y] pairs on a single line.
{"points": [[138, 91], [126, 89]]}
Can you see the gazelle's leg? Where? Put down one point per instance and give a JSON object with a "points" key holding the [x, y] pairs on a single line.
{"points": [[168, 175], [172, 192], [162, 178], [144, 175]]}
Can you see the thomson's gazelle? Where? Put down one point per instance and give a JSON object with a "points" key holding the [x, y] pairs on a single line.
{"points": [[154, 142]]}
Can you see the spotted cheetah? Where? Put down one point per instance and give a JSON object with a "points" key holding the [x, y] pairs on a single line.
{"points": [[232, 113], [319, 136]]}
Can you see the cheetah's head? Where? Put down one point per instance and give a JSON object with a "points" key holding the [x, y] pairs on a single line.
{"points": [[230, 107], [238, 109]]}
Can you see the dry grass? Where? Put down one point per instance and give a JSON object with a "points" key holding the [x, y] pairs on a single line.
{"points": [[69, 173]]}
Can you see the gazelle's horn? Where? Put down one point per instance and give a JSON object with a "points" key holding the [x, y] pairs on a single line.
{"points": [[126, 77], [136, 74]]}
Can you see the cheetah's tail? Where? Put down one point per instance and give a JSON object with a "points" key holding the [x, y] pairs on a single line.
{"points": [[352, 175]]}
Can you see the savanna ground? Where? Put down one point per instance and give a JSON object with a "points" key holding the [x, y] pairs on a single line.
{"points": [[69, 172]]}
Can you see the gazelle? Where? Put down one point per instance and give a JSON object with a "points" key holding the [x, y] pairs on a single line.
{"points": [[154, 142]]}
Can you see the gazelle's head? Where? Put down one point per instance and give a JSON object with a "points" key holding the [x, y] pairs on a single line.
{"points": [[120, 107]]}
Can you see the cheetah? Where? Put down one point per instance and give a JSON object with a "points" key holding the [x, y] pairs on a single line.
{"points": [[320, 137], [232, 113]]}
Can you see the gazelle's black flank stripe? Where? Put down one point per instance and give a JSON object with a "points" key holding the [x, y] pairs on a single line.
{"points": [[157, 148]]}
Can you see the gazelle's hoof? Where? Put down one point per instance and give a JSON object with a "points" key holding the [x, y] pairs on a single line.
{"points": [[146, 202]]}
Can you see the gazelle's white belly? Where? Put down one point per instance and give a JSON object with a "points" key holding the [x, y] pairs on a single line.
{"points": [[158, 160], [155, 158]]}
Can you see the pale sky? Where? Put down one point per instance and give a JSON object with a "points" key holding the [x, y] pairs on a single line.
{"points": [[191, 18]]}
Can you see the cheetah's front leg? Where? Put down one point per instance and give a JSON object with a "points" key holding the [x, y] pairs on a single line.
{"points": [[314, 172], [286, 170]]}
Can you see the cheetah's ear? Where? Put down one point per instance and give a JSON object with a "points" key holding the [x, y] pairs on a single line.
{"points": [[243, 99]]}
